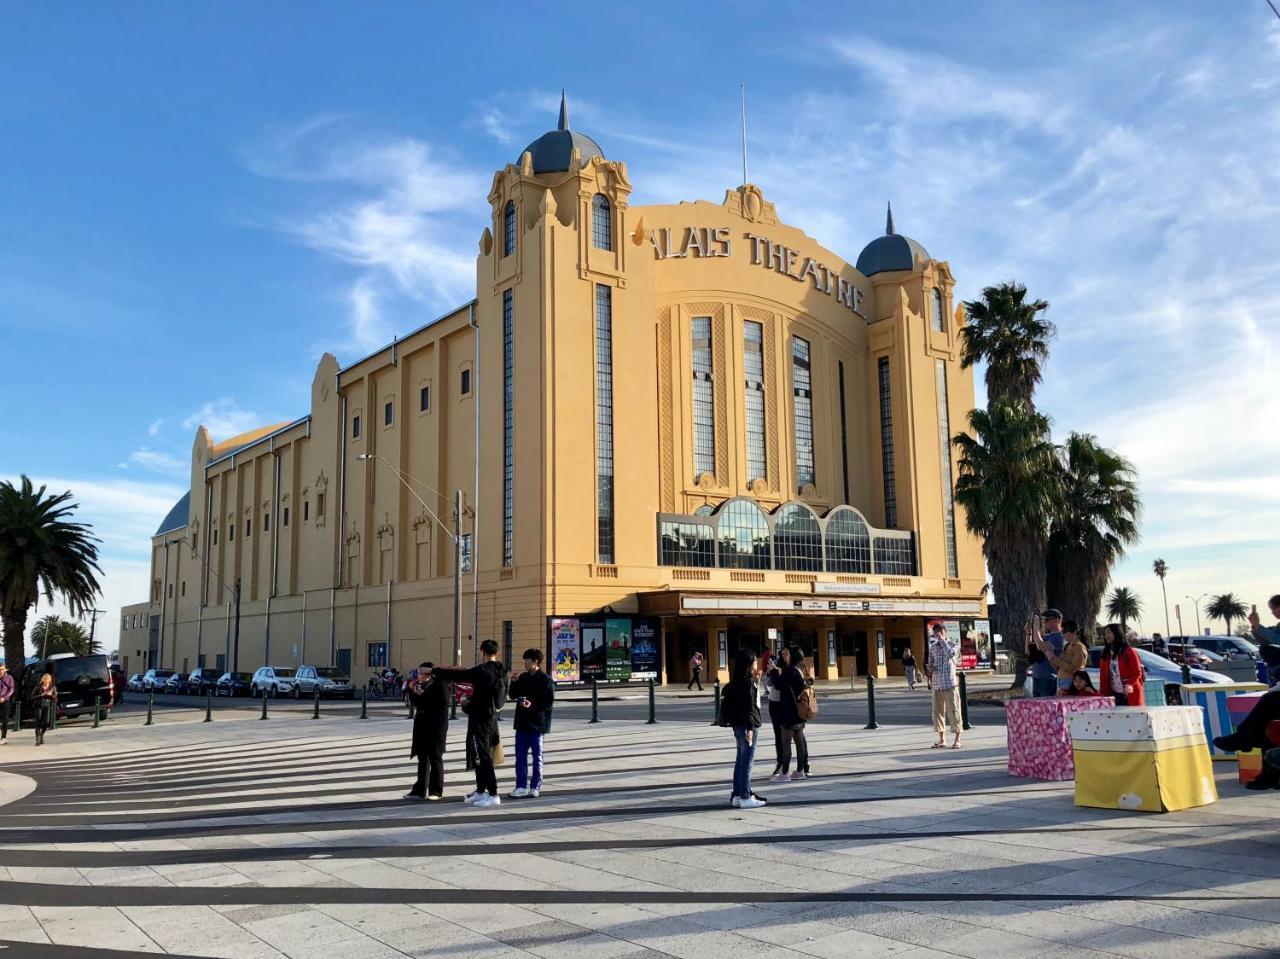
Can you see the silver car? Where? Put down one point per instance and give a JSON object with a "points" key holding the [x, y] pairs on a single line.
{"points": [[272, 681], [330, 682]]}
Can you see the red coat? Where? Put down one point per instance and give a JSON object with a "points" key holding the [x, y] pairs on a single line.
{"points": [[1130, 675]]}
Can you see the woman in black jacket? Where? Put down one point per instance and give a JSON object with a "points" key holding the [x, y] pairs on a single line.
{"points": [[740, 710], [791, 685], [430, 699]]}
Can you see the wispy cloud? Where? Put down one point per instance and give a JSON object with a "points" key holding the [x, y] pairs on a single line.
{"points": [[154, 429], [224, 418], [158, 462]]}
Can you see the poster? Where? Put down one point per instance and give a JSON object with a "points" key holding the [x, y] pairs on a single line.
{"points": [[593, 652], [971, 639], [618, 645], [565, 650], [644, 649]]}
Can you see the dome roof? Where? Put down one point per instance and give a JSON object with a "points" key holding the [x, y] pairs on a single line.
{"points": [[890, 252], [177, 518], [553, 150]]}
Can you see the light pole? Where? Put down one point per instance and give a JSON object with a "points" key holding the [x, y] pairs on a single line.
{"points": [[1196, 600], [454, 534], [93, 623]]}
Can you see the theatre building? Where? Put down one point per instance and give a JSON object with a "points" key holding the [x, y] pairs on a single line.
{"points": [[674, 427]]}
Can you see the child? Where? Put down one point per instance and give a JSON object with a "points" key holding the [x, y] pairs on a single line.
{"points": [[740, 710], [1081, 685], [533, 692]]}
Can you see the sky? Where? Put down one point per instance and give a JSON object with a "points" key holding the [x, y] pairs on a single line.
{"points": [[197, 200]]}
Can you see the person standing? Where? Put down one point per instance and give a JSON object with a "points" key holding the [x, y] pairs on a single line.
{"points": [[740, 710], [1120, 669], [909, 667], [533, 692], [791, 686], [942, 679], [44, 703], [1268, 638], [1158, 647], [695, 667], [428, 694], [773, 686], [6, 702], [1074, 657], [488, 680], [1044, 677]]}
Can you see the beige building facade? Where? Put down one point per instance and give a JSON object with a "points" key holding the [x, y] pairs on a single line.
{"points": [[692, 415]]}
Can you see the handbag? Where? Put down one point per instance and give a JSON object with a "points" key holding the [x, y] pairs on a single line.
{"points": [[806, 704], [499, 756]]}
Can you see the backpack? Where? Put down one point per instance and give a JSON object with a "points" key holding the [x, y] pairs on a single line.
{"points": [[500, 693], [806, 704]]}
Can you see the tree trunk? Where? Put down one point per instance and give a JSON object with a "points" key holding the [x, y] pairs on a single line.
{"points": [[15, 650], [1165, 596], [1073, 585], [1017, 578]]}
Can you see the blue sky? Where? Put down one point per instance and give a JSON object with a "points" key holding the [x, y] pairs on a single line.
{"points": [[190, 191]]}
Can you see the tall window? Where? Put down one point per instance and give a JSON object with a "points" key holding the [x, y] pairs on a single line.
{"points": [[604, 421], [509, 228], [388, 413], [797, 539], [424, 399], [355, 427], [803, 387], [508, 422], [886, 445], [938, 319], [704, 417], [601, 223], [744, 536], [844, 434], [944, 454], [753, 366]]}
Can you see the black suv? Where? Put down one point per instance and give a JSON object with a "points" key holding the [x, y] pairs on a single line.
{"points": [[202, 680], [78, 680]]}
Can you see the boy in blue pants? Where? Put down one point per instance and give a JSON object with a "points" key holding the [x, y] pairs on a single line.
{"points": [[533, 691]]}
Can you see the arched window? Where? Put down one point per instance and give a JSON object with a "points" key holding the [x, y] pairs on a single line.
{"points": [[797, 539], [938, 317], [848, 542], [601, 223], [509, 228], [706, 509], [744, 536]]}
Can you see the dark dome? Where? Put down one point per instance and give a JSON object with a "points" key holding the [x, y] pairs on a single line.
{"points": [[554, 149], [177, 518], [890, 252]]}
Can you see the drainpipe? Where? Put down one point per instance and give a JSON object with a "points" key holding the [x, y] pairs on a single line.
{"points": [[475, 502], [164, 603], [342, 489]]}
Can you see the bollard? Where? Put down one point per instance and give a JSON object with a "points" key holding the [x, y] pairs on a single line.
{"points": [[17, 715], [653, 706], [364, 703], [1186, 675], [264, 705], [151, 699], [315, 709], [964, 703], [715, 719], [871, 703], [208, 706], [97, 711], [595, 702], [453, 705], [53, 715]]}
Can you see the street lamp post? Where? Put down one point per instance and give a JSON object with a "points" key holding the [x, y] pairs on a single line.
{"points": [[93, 623], [1196, 600]]}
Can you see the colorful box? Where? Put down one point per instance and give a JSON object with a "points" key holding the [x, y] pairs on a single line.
{"points": [[1249, 764], [1212, 702], [1153, 693], [1149, 758], [1039, 741]]}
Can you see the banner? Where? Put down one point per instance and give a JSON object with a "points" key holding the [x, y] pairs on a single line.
{"points": [[593, 651], [618, 656], [644, 649], [566, 652]]}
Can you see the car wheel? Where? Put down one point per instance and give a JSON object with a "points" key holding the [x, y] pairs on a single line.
{"points": [[275, 691], [297, 692]]}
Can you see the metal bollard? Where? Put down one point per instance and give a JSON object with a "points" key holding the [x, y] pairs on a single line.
{"points": [[315, 710], [17, 715], [653, 706], [208, 706], [964, 703], [97, 711], [364, 703], [595, 702], [715, 719], [453, 705], [264, 705], [871, 703], [151, 700], [53, 715]]}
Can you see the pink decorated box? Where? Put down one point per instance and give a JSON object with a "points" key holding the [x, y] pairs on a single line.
{"points": [[1039, 740]]}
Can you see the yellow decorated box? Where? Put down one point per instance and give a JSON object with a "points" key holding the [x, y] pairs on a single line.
{"points": [[1153, 759]]}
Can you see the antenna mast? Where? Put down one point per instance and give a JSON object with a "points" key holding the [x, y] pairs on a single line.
{"points": [[742, 100]]}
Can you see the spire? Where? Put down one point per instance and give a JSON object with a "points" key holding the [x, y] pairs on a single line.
{"points": [[888, 222], [564, 113]]}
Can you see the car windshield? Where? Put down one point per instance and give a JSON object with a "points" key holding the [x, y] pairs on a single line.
{"points": [[162, 673], [283, 673], [328, 672], [1152, 661], [80, 669]]}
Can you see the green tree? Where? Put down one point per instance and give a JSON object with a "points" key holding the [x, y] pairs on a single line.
{"points": [[42, 553], [1008, 488], [1226, 608], [1123, 604], [1093, 521], [1161, 569], [1010, 335], [53, 634]]}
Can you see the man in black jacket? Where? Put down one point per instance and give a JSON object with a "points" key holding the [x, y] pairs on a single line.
{"points": [[533, 692], [428, 694], [488, 680]]}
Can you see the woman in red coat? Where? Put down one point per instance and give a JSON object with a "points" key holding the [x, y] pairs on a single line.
{"points": [[1121, 670]]}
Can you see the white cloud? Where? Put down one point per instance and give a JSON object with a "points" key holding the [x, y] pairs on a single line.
{"points": [[159, 462], [224, 418], [154, 429]]}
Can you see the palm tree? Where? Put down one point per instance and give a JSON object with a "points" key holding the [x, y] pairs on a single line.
{"points": [[1007, 487], [42, 552], [1094, 521], [1161, 569], [53, 634], [1123, 604], [1226, 607], [1011, 337]]}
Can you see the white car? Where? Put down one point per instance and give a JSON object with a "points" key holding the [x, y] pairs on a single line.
{"points": [[1157, 668], [273, 681]]}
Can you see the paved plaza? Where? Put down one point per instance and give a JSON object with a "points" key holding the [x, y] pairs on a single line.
{"points": [[288, 838]]}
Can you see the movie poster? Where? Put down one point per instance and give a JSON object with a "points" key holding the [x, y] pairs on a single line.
{"points": [[566, 653], [593, 651], [618, 656], [644, 649]]}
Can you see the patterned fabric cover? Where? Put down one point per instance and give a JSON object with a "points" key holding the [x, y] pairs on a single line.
{"points": [[1039, 740], [1249, 764], [1212, 700]]}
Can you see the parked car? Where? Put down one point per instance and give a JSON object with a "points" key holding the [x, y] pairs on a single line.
{"points": [[329, 681], [79, 679], [202, 680], [1228, 647], [273, 681], [118, 684], [1192, 655], [233, 684], [153, 680], [1157, 669], [175, 685], [135, 682]]}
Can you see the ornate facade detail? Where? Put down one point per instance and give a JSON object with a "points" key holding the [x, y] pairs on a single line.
{"points": [[666, 404]]}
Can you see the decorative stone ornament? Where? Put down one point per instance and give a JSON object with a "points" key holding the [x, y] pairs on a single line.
{"points": [[486, 242], [706, 480], [638, 235]]}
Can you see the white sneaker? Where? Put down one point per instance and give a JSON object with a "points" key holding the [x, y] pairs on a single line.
{"points": [[750, 803], [533, 794], [487, 802], [780, 778], [434, 798], [518, 793], [473, 798], [798, 775]]}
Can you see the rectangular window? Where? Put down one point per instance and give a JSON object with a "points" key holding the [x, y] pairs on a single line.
{"points": [[686, 544], [215, 537], [753, 397], [320, 505], [844, 435], [464, 382], [231, 532], [508, 424], [704, 417], [944, 458], [424, 399], [183, 590], [465, 540], [306, 510], [169, 595], [377, 654], [886, 444], [604, 424], [266, 522], [355, 427], [388, 413], [286, 517], [802, 387]]}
